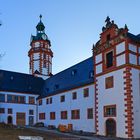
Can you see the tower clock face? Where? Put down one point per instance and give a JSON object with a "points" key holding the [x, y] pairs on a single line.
{"points": [[44, 36]]}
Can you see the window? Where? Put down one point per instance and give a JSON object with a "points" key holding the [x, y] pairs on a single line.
{"points": [[52, 115], [109, 59], [2, 97], [75, 114], [31, 100], [42, 116], [108, 37], [110, 111], [74, 95], [44, 56], [90, 113], [31, 112], [56, 87], [91, 74], [109, 82], [2, 110], [21, 99], [9, 98], [15, 99], [10, 111], [63, 114], [11, 78], [44, 64], [73, 72], [51, 100], [40, 102], [47, 101], [62, 98], [86, 92]]}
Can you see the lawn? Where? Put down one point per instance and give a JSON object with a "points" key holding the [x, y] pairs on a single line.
{"points": [[13, 133]]}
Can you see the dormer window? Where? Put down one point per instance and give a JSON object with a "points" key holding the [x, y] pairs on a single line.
{"points": [[91, 74], [73, 72], [109, 59], [56, 86], [11, 77]]}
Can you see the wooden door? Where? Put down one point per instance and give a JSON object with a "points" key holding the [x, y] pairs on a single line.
{"points": [[110, 127], [20, 118]]}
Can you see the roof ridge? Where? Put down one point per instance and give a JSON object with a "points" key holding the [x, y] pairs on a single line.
{"points": [[15, 72]]}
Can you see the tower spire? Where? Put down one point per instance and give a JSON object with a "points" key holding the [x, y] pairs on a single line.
{"points": [[40, 17], [40, 26], [40, 53]]}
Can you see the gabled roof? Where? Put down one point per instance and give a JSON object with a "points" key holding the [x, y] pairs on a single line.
{"points": [[77, 75], [19, 82], [135, 38]]}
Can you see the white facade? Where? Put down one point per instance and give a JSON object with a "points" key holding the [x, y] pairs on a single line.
{"points": [[111, 96], [136, 100], [81, 103], [18, 108]]}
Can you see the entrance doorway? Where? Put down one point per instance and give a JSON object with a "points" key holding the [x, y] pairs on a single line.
{"points": [[20, 119], [31, 120], [10, 120], [110, 127]]}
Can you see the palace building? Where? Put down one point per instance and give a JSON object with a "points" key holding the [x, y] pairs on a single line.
{"points": [[100, 95]]}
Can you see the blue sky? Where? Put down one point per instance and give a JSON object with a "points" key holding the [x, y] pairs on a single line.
{"points": [[72, 26]]}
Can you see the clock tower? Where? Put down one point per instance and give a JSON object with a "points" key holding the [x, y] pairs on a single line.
{"points": [[40, 53]]}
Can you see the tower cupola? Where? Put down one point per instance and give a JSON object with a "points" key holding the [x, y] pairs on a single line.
{"points": [[40, 53], [40, 26]]}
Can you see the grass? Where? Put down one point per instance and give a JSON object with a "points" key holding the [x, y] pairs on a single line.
{"points": [[13, 133]]}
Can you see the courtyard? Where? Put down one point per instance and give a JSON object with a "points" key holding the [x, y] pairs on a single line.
{"points": [[14, 133]]}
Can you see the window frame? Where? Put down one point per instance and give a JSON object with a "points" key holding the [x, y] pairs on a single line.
{"points": [[2, 110], [110, 107], [64, 115], [51, 100], [10, 111], [16, 99], [31, 112], [75, 114], [86, 92], [31, 100], [106, 61], [62, 98], [3, 100], [109, 82], [90, 113], [52, 116], [47, 101], [42, 116], [40, 102], [74, 95]]}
